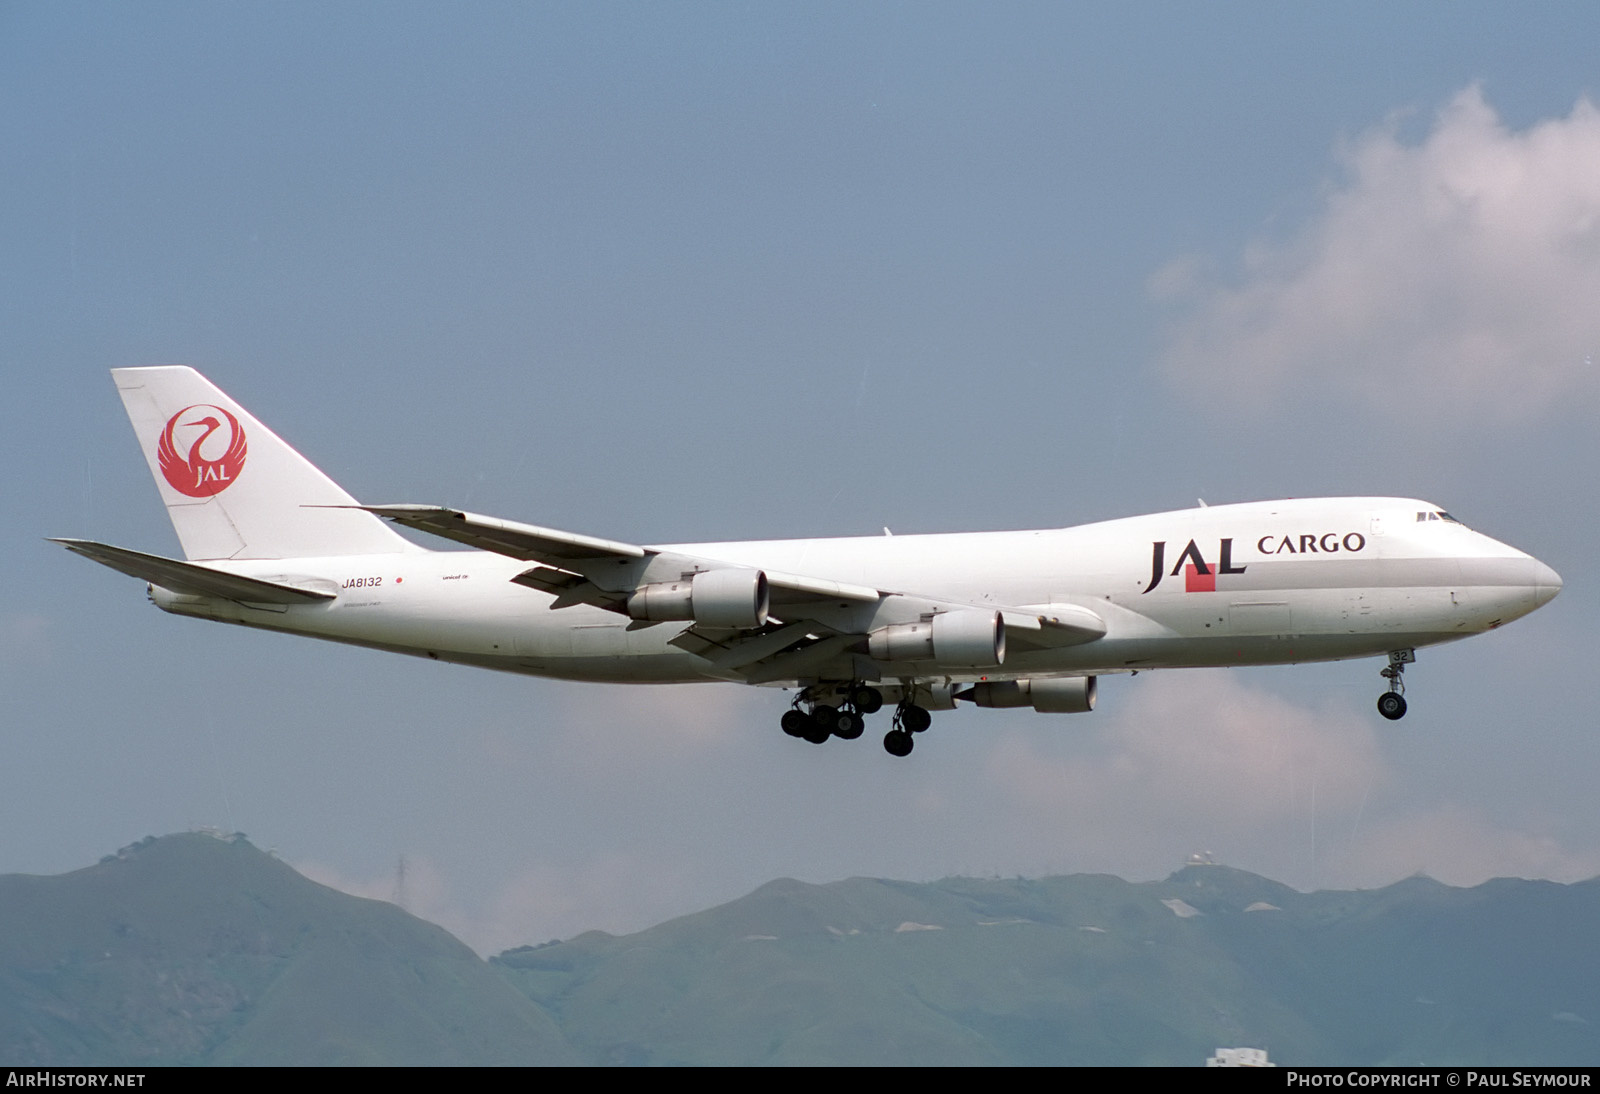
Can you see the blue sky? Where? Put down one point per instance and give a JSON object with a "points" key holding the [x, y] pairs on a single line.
{"points": [[674, 273]]}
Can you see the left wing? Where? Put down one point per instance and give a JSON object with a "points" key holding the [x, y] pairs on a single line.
{"points": [[753, 625], [506, 537], [571, 559]]}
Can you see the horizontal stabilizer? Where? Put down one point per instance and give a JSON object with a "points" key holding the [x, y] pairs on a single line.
{"points": [[191, 578]]}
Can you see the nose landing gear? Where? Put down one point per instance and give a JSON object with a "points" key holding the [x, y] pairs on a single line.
{"points": [[1392, 703]]}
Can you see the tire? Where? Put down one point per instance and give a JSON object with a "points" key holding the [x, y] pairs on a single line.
{"points": [[897, 742], [867, 700], [796, 722], [914, 719], [1392, 705], [851, 726]]}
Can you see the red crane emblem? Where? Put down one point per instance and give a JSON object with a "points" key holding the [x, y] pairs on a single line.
{"points": [[194, 474]]}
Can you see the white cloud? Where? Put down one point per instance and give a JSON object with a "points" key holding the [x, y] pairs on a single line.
{"points": [[1455, 845], [1182, 761], [612, 891], [666, 720], [1199, 754], [613, 735], [538, 900], [1452, 280], [1200, 761]]}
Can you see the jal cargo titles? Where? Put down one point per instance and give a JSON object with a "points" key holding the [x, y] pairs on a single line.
{"points": [[1201, 576], [849, 625]]}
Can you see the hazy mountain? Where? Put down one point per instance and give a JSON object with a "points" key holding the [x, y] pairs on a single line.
{"points": [[192, 949], [1090, 969]]}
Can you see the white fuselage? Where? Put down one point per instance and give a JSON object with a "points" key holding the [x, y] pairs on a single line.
{"points": [[1255, 583]]}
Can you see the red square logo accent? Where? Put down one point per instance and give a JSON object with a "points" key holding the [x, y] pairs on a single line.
{"points": [[1196, 582]]}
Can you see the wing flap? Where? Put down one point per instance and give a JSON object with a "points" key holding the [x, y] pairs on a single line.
{"points": [[799, 662], [731, 651], [192, 578], [569, 588], [548, 579]]}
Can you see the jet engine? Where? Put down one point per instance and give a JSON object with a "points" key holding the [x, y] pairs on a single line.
{"points": [[716, 598], [1048, 695], [959, 639]]}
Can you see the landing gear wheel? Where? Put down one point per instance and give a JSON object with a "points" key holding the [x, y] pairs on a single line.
{"points": [[913, 718], [1392, 703], [816, 732], [866, 699], [796, 722], [832, 718], [851, 726], [897, 742]]}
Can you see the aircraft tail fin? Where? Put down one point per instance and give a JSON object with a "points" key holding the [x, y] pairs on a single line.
{"points": [[232, 487]]}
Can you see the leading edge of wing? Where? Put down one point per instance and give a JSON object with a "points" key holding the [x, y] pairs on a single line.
{"points": [[505, 537], [793, 595], [191, 578], [532, 543]]}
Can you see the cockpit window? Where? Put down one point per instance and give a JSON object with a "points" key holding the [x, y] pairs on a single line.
{"points": [[1437, 514]]}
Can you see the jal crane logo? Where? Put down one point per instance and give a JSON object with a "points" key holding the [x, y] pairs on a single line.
{"points": [[194, 474]]}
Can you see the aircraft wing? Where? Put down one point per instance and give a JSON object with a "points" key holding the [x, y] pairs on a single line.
{"points": [[191, 578], [804, 631], [563, 553], [506, 537]]}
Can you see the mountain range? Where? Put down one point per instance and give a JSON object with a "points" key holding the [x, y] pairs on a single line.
{"points": [[194, 949]]}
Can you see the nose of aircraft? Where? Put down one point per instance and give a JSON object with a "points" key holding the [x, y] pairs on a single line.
{"points": [[1546, 584]]}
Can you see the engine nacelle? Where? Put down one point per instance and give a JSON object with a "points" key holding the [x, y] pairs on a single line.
{"points": [[959, 639], [716, 598], [1049, 695]]}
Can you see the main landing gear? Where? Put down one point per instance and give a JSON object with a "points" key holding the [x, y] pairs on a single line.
{"points": [[1392, 703], [847, 720], [908, 719]]}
